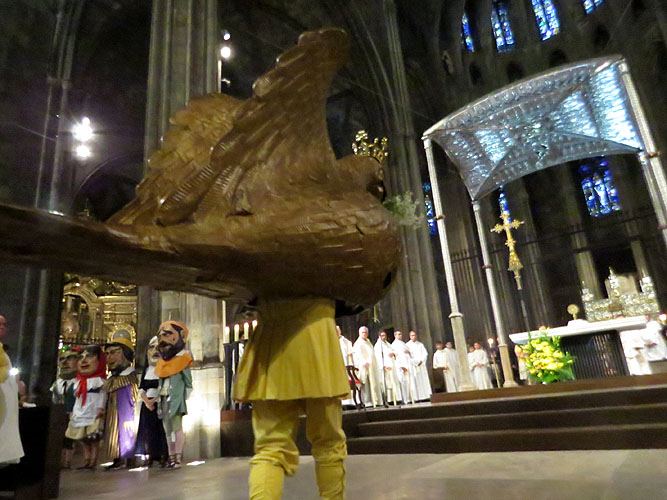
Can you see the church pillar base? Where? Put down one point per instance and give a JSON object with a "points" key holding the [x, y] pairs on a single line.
{"points": [[506, 364], [202, 423]]}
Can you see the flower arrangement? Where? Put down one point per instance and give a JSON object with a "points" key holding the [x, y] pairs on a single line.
{"points": [[545, 360]]}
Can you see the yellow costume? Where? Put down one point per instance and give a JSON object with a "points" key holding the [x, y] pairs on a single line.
{"points": [[5, 365], [291, 366]]}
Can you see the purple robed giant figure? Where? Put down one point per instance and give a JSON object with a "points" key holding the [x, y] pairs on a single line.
{"points": [[122, 390]]}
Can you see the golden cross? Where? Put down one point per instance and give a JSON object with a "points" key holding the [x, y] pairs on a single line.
{"points": [[515, 264]]}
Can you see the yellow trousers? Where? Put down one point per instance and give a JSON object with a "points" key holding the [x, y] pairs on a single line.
{"points": [[275, 424]]}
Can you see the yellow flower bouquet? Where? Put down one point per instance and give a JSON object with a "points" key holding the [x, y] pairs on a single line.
{"points": [[545, 360]]}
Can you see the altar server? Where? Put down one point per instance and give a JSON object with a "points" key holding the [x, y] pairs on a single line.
{"points": [[419, 355], [405, 369], [479, 366], [445, 359], [386, 359]]}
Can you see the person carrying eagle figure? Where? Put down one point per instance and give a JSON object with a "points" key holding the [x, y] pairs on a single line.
{"points": [[246, 201]]}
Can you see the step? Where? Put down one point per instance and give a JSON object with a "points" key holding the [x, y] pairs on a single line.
{"points": [[605, 437], [568, 386], [588, 399], [612, 415]]}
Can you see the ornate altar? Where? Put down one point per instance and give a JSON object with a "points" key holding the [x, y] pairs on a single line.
{"points": [[620, 304], [93, 309]]}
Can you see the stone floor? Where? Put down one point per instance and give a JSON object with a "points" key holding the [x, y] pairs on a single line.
{"points": [[570, 475]]}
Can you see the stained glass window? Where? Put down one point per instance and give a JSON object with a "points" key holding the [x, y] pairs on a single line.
{"points": [[598, 187], [591, 5], [546, 17], [466, 34], [430, 212], [500, 22], [502, 202]]}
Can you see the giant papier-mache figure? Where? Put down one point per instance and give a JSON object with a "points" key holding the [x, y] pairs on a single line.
{"points": [[151, 439], [62, 392], [246, 200], [122, 392], [174, 386], [86, 424]]}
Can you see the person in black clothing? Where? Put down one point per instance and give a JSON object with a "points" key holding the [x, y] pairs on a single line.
{"points": [[150, 435]]}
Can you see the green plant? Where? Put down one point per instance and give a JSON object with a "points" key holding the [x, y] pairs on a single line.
{"points": [[404, 210]]}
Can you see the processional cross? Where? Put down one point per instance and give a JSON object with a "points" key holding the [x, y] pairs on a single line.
{"points": [[515, 264]]}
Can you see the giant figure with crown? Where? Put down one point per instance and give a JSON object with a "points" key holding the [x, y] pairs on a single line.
{"points": [[246, 201]]}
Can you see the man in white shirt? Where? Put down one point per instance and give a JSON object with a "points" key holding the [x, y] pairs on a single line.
{"points": [[404, 368], [445, 360], [419, 355], [479, 366], [369, 373], [386, 359]]}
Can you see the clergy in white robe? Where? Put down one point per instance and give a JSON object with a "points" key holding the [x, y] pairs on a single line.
{"points": [[386, 359], [369, 372], [419, 355], [635, 352], [479, 366], [405, 369], [445, 359], [346, 352], [654, 343]]}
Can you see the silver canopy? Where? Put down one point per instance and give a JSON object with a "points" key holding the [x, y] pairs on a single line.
{"points": [[573, 112]]}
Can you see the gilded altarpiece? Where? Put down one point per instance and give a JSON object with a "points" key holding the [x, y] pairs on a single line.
{"points": [[93, 309]]}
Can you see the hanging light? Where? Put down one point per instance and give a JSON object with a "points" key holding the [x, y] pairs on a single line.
{"points": [[83, 151], [83, 131]]}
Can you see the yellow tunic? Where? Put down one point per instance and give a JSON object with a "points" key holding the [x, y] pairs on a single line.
{"points": [[293, 354]]}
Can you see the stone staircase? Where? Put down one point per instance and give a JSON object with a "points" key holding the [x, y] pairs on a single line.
{"points": [[619, 416]]}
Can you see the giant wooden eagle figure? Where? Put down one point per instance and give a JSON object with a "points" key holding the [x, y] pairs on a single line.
{"points": [[244, 199]]}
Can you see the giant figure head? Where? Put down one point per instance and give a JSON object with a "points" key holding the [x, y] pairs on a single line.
{"points": [[172, 336], [119, 351]]}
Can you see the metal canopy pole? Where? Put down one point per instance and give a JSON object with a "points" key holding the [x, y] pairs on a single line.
{"points": [[455, 316], [649, 158], [495, 307]]}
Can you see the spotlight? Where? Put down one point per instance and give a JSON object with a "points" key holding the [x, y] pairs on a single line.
{"points": [[83, 151], [226, 35], [225, 52], [13, 372], [83, 132]]}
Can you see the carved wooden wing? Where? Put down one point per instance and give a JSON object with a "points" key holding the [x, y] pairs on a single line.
{"points": [[217, 140]]}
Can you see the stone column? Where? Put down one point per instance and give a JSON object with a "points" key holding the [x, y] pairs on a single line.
{"points": [[649, 157], [182, 65], [416, 296], [583, 259], [455, 316], [538, 294], [500, 328]]}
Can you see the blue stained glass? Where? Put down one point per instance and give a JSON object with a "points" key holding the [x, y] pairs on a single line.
{"points": [[500, 23], [430, 212], [546, 17], [466, 34], [591, 5], [502, 202], [598, 186]]}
